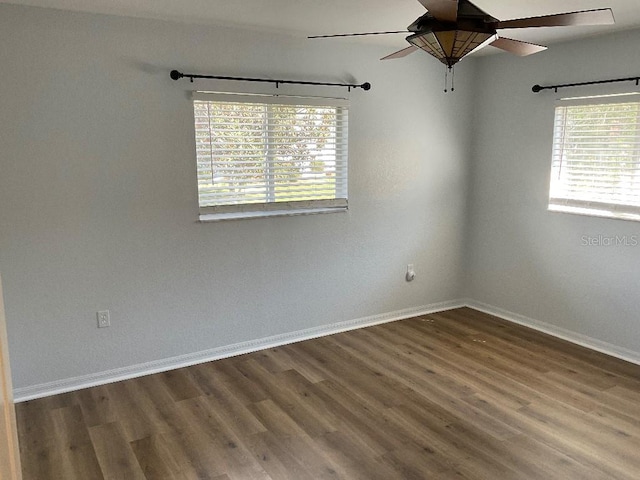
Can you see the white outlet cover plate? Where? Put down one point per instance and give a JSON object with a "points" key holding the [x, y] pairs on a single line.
{"points": [[104, 319]]}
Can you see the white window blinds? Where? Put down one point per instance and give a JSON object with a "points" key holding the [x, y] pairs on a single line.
{"points": [[596, 157], [267, 154]]}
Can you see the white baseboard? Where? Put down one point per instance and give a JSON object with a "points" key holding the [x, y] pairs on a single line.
{"points": [[101, 378], [570, 336], [133, 371]]}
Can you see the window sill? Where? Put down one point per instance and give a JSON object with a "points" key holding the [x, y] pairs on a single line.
{"points": [[221, 217], [595, 212]]}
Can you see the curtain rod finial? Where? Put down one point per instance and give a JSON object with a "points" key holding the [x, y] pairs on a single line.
{"points": [[536, 88], [176, 75]]}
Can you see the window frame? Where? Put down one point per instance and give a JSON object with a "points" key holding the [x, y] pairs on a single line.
{"points": [[209, 213], [596, 207]]}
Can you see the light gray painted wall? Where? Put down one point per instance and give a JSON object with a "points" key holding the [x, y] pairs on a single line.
{"points": [[520, 257], [98, 200]]}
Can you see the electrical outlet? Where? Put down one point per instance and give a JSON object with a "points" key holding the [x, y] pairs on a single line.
{"points": [[104, 319]]}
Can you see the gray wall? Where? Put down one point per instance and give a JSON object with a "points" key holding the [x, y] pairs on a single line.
{"points": [[98, 201], [520, 257]]}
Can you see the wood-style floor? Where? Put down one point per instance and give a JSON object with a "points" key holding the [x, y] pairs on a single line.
{"points": [[456, 395]]}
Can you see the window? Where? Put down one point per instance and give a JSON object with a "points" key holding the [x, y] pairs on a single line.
{"points": [[260, 155], [596, 157]]}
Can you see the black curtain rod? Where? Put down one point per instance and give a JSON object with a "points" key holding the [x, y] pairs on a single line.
{"points": [[176, 75], [538, 88]]}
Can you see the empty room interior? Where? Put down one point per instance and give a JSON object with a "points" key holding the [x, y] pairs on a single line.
{"points": [[230, 251]]}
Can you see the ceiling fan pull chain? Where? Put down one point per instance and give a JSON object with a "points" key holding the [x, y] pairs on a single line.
{"points": [[446, 78], [453, 78], [448, 69]]}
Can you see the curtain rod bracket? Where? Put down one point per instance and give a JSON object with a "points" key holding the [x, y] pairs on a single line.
{"points": [[176, 75]]}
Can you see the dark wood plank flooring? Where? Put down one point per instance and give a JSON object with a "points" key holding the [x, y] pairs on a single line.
{"points": [[455, 395]]}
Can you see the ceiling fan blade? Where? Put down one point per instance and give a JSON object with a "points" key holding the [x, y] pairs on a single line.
{"points": [[357, 34], [401, 53], [444, 10], [517, 47], [602, 16]]}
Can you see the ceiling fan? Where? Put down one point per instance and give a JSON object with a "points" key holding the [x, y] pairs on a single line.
{"points": [[452, 29]]}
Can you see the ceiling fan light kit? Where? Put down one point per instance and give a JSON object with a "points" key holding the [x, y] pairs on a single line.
{"points": [[453, 29], [451, 46]]}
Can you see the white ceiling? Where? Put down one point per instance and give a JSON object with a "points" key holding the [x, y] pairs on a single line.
{"points": [[310, 17]]}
